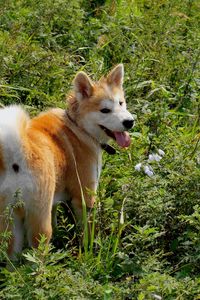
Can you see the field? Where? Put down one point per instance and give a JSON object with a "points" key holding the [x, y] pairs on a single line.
{"points": [[147, 217]]}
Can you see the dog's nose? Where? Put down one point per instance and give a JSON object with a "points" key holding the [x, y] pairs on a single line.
{"points": [[128, 124]]}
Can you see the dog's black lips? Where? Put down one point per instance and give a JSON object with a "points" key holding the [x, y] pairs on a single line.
{"points": [[108, 132], [109, 149]]}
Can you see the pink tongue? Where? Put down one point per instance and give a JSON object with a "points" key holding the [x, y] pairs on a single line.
{"points": [[122, 138]]}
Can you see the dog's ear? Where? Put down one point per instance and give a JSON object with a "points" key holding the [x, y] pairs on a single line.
{"points": [[116, 75], [83, 86]]}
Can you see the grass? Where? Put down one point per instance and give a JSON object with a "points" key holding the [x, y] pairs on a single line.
{"points": [[147, 239]]}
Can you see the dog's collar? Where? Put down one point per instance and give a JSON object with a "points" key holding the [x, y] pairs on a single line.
{"points": [[109, 149]]}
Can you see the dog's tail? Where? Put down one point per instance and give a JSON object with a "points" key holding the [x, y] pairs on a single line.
{"points": [[13, 124], [13, 119]]}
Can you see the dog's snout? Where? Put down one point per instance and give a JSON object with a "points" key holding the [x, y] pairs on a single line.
{"points": [[128, 124]]}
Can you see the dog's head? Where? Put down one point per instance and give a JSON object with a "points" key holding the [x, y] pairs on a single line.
{"points": [[100, 108]]}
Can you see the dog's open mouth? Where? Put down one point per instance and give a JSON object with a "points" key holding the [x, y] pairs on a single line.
{"points": [[122, 138]]}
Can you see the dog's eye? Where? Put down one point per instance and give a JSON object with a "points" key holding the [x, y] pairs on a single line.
{"points": [[121, 103], [105, 110]]}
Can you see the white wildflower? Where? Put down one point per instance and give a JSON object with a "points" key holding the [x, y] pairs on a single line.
{"points": [[148, 171], [138, 167], [154, 157], [121, 221], [157, 157], [157, 297], [161, 152], [151, 157]]}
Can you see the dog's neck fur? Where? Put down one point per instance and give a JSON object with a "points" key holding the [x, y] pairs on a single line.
{"points": [[72, 120], [71, 113], [109, 149]]}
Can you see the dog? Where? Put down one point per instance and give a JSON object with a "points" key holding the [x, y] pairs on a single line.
{"points": [[57, 155]]}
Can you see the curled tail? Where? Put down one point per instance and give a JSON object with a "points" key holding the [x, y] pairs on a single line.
{"points": [[13, 119], [13, 124]]}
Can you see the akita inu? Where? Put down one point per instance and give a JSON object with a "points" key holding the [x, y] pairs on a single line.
{"points": [[57, 154]]}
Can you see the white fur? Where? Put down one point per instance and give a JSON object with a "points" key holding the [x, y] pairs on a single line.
{"points": [[96, 169], [117, 99], [11, 145], [112, 121], [18, 233]]}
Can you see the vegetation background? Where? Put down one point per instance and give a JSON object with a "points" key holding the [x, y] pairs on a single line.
{"points": [[147, 244]]}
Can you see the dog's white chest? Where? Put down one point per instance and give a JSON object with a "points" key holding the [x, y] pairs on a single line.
{"points": [[96, 168]]}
